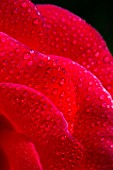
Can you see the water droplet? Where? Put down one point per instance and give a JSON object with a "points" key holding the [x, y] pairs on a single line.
{"points": [[55, 91], [31, 51], [90, 83], [102, 139], [41, 63], [62, 94], [62, 81], [88, 98], [30, 63], [96, 54], [23, 4], [48, 70], [53, 79], [103, 104], [15, 11], [29, 10], [35, 21], [38, 13], [26, 56], [74, 42], [95, 69], [5, 62], [48, 58], [111, 146], [108, 106], [102, 97], [106, 59]]}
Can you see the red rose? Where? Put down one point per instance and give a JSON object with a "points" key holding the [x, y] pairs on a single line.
{"points": [[56, 88]]}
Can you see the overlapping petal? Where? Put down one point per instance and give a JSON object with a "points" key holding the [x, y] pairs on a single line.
{"points": [[43, 73], [92, 117], [23, 21], [20, 152], [71, 37], [53, 30], [45, 95], [93, 125], [32, 114]]}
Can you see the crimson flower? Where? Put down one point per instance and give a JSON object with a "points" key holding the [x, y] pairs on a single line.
{"points": [[56, 89]]}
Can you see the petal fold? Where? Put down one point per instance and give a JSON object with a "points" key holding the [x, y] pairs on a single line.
{"points": [[54, 30], [32, 114], [21, 20], [71, 37], [20, 152], [44, 73]]}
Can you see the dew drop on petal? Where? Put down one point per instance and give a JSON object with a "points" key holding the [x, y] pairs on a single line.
{"points": [[35, 21], [102, 97], [96, 54], [55, 91], [62, 81], [30, 63], [26, 56], [31, 51], [106, 59], [23, 4], [111, 146], [29, 10]]}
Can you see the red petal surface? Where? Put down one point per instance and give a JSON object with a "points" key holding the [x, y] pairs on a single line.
{"points": [[33, 114], [94, 121], [59, 32], [71, 37], [23, 21], [44, 73], [94, 107], [20, 152]]}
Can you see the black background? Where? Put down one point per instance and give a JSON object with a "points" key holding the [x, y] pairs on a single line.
{"points": [[98, 13]]}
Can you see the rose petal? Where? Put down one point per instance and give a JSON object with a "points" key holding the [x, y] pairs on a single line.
{"points": [[34, 115], [94, 121], [23, 21], [20, 152], [71, 37], [5, 124], [53, 30], [44, 73], [94, 107]]}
